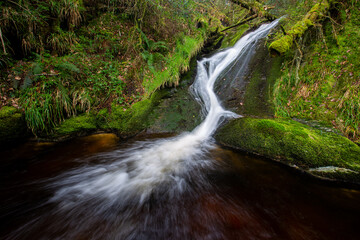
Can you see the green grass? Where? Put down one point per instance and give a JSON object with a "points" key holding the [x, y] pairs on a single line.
{"points": [[50, 103]]}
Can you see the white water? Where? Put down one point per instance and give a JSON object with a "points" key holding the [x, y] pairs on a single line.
{"points": [[134, 173]]}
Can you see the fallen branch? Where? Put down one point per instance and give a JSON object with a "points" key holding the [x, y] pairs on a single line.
{"points": [[241, 22], [256, 8], [282, 45]]}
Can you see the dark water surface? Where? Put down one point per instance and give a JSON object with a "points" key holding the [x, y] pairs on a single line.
{"points": [[238, 197]]}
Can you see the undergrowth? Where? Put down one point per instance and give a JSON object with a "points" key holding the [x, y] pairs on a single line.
{"points": [[323, 83], [61, 58]]}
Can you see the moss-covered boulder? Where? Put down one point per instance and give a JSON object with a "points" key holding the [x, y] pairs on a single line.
{"points": [[75, 126], [319, 152], [12, 126]]}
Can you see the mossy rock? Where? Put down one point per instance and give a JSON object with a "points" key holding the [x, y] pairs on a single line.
{"points": [[12, 126], [295, 144], [75, 126], [178, 113]]}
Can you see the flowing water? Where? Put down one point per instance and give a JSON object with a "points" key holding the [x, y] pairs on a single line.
{"points": [[178, 187]]}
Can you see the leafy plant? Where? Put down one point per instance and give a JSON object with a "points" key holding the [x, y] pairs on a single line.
{"points": [[152, 51], [61, 42], [50, 103]]}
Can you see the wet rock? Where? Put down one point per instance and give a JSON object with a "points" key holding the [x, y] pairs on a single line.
{"points": [[245, 87]]}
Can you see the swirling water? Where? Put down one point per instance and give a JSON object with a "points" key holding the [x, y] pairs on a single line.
{"points": [[155, 189]]}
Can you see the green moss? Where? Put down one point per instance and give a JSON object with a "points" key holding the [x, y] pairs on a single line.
{"points": [[300, 27], [258, 92], [318, 9], [12, 125], [125, 122], [177, 62], [291, 142], [178, 113], [7, 111], [76, 125], [281, 45]]}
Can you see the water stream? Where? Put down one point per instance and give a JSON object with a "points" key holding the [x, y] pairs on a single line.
{"points": [[165, 188]]}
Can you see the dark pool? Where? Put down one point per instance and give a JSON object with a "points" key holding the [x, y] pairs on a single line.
{"points": [[238, 197]]}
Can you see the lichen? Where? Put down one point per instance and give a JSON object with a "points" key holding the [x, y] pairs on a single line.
{"points": [[291, 142]]}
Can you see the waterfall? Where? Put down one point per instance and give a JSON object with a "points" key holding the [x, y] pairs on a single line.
{"points": [[123, 182], [145, 165]]}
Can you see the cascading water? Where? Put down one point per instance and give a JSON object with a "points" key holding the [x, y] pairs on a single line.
{"points": [[127, 181]]}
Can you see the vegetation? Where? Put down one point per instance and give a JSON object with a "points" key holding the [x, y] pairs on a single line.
{"points": [[69, 61], [69, 57], [283, 44], [321, 82]]}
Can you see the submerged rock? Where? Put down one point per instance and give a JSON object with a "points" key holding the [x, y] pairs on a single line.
{"points": [[295, 144]]}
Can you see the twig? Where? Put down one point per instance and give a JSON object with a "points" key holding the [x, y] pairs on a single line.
{"points": [[47, 74], [2, 41]]}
